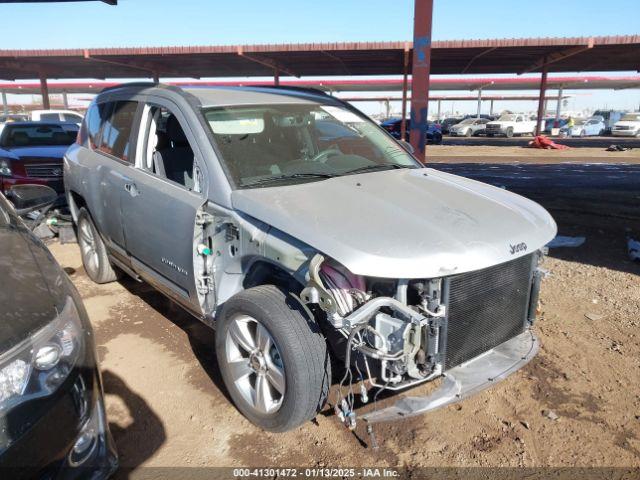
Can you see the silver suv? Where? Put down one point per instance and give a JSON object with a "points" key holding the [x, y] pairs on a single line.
{"points": [[303, 232]]}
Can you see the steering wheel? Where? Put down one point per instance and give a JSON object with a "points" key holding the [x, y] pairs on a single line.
{"points": [[324, 155]]}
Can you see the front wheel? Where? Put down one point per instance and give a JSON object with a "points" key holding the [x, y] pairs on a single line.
{"points": [[468, 133], [509, 132], [273, 358]]}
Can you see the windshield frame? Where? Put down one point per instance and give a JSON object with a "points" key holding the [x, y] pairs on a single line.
{"points": [[304, 177]]}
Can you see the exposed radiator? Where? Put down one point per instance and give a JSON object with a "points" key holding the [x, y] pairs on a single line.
{"points": [[486, 308]]}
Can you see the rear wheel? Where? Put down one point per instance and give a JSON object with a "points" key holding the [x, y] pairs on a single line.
{"points": [[273, 358], [583, 133], [93, 251], [468, 133]]}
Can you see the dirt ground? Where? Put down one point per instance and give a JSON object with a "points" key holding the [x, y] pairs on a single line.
{"points": [[576, 404]]}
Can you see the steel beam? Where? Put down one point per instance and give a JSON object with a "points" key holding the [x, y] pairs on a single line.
{"points": [[405, 87], [65, 100], [267, 62], [558, 107], [557, 56], [420, 73], [44, 91], [479, 102], [541, 99], [5, 104]]}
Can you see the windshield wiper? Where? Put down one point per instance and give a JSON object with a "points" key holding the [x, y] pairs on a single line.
{"points": [[378, 166], [277, 178]]}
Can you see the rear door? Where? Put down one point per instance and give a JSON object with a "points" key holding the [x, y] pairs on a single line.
{"points": [[111, 161], [161, 200]]}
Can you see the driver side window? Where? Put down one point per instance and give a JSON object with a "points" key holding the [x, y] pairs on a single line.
{"points": [[165, 150]]}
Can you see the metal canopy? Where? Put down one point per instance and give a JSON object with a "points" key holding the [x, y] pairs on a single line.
{"points": [[584, 82], [580, 54]]}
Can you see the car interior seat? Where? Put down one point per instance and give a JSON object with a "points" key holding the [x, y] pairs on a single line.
{"points": [[176, 157], [20, 138]]}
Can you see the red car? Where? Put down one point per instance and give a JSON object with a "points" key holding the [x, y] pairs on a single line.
{"points": [[31, 153]]}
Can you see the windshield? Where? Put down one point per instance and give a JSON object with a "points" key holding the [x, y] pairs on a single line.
{"points": [[291, 143], [467, 121], [508, 118], [38, 135], [631, 117]]}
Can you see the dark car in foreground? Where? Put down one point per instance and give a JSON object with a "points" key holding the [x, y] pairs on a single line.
{"points": [[394, 126], [52, 415], [31, 153]]}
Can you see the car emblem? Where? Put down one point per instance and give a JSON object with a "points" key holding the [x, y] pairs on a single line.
{"points": [[520, 247], [56, 172]]}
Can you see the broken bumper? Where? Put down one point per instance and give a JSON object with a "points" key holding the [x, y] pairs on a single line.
{"points": [[467, 379]]}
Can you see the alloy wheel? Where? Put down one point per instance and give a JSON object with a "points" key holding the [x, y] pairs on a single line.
{"points": [[255, 364], [87, 242]]}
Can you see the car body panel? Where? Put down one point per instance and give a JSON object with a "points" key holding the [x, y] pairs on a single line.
{"points": [[418, 223], [37, 435]]}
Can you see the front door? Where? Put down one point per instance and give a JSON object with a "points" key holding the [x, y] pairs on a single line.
{"points": [[163, 193]]}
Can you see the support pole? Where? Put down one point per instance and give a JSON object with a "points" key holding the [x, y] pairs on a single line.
{"points": [[491, 107], [479, 102], [5, 105], [44, 91], [439, 109], [276, 77], [558, 108], [421, 70], [156, 77], [65, 100], [405, 86], [543, 92]]}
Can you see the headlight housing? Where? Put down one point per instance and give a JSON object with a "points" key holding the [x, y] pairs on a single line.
{"points": [[37, 366], [5, 168]]}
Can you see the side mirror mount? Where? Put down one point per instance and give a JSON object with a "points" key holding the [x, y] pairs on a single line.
{"points": [[407, 146], [28, 198]]}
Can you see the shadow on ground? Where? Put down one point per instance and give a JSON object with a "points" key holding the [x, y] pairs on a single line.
{"points": [[138, 441]]}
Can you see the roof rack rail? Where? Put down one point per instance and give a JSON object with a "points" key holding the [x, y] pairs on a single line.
{"points": [[292, 88], [131, 84]]}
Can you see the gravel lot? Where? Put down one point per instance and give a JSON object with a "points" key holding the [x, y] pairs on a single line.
{"points": [[576, 404]]}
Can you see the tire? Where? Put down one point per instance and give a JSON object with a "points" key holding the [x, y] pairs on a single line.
{"points": [[601, 133], [468, 133], [509, 132], [292, 369], [93, 251], [583, 134]]}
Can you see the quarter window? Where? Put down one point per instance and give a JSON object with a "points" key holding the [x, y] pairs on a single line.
{"points": [[116, 133]]}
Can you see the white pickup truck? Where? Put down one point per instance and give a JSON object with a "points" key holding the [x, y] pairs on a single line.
{"points": [[511, 124]]}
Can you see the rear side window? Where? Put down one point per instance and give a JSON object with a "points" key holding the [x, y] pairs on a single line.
{"points": [[116, 133], [48, 117]]}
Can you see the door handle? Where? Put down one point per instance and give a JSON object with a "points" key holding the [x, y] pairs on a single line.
{"points": [[132, 189]]}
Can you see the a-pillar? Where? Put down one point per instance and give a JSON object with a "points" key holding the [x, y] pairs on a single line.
{"points": [[420, 73]]}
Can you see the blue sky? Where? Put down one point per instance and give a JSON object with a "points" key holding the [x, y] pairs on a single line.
{"points": [[185, 22], [191, 22]]}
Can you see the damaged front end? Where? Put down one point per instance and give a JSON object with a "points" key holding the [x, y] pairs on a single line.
{"points": [[470, 328]]}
